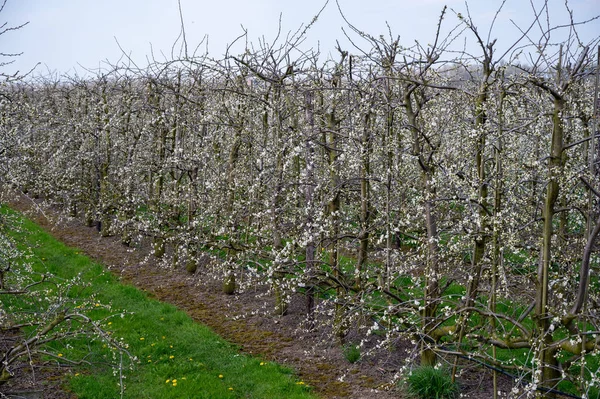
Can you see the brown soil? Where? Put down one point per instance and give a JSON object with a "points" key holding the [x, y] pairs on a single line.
{"points": [[35, 378], [246, 318]]}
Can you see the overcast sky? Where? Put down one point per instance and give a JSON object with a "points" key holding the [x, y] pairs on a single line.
{"points": [[63, 34]]}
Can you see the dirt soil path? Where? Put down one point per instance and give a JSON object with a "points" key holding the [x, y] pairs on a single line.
{"points": [[242, 319]]}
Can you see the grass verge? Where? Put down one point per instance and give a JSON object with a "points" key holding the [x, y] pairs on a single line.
{"points": [[174, 356]]}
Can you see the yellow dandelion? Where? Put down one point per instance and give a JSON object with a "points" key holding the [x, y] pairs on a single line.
{"points": [[163, 337], [167, 381], [183, 378], [109, 323], [171, 357], [220, 375], [262, 363], [191, 359], [96, 305], [76, 374], [230, 388], [300, 383], [174, 381], [174, 384], [149, 361], [152, 344], [171, 346], [60, 355], [142, 338]]}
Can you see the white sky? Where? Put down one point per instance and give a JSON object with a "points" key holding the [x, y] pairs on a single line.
{"points": [[64, 33]]}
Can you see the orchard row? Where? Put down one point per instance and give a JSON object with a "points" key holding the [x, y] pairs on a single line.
{"points": [[449, 199]]}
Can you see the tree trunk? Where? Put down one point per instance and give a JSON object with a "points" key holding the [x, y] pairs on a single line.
{"points": [[548, 364], [229, 285], [431, 292], [308, 199]]}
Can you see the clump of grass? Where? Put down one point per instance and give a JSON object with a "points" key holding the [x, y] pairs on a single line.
{"points": [[593, 393], [352, 353], [428, 382]]}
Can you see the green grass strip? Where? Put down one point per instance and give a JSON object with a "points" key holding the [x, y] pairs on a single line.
{"points": [[177, 358]]}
